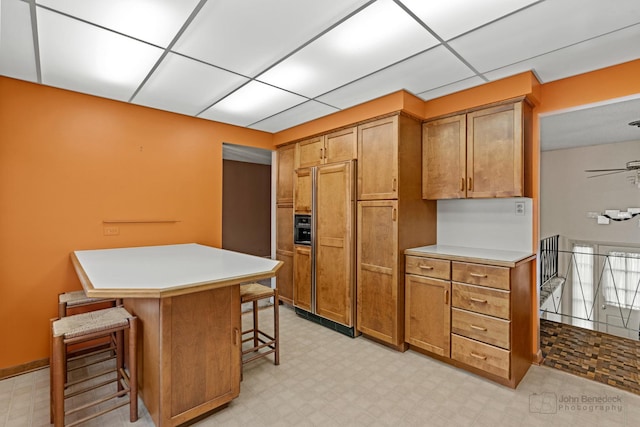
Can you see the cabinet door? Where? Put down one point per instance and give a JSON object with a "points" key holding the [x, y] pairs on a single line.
{"points": [[378, 159], [284, 188], [303, 186], [310, 152], [334, 243], [495, 152], [444, 158], [284, 252], [428, 314], [377, 272], [284, 228], [341, 146], [284, 278], [302, 277]]}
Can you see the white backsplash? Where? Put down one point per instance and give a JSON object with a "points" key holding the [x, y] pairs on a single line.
{"points": [[486, 223]]}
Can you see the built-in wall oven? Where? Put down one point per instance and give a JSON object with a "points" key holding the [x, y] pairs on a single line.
{"points": [[302, 230]]}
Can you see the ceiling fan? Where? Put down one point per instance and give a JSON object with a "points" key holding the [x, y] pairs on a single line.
{"points": [[632, 166]]}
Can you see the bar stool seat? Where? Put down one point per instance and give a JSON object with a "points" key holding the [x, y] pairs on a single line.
{"points": [[263, 344], [86, 327], [74, 299]]}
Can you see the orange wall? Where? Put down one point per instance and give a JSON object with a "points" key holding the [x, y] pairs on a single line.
{"points": [[68, 161]]}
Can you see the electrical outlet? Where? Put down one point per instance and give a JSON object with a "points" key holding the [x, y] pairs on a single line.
{"points": [[111, 231], [520, 208]]}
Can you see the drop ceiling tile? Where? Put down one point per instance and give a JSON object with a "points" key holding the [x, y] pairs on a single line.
{"points": [[431, 69], [154, 21], [17, 58], [248, 36], [84, 58], [186, 86], [542, 28], [451, 88], [454, 17], [251, 103], [294, 116], [378, 36], [613, 48]]}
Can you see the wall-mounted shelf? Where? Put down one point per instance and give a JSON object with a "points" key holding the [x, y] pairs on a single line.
{"points": [[139, 221]]}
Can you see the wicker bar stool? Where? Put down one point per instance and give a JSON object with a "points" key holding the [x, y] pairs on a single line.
{"points": [[85, 327], [262, 344], [74, 299]]}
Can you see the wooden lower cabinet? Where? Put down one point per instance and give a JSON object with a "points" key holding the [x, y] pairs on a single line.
{"points": [[302, 277], [487, 315], [284, 278], [428, 319], [188, 353], [284, 252], [378, 291]]}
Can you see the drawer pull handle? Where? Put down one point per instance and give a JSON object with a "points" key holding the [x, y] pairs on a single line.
{"points": [[478, 356], [478, 328], [478, 300], [478, 275], [425, 267]]}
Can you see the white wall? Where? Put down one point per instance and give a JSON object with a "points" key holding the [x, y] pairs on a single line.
{"points": [[566, 194], [486, 223]]}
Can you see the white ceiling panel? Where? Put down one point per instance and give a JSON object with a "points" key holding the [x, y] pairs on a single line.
{"points": [[451, 88], [428, 70], [251, 103], [294, 116], [186, 86], [154, 21], [17, 58], [378, 36], [598, 124], [91, 60], [454, 17], [590, 55], [542, 28], [248, 36]]}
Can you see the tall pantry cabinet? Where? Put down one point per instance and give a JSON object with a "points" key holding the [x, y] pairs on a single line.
{"points": [[284, 221], [391, 217]]}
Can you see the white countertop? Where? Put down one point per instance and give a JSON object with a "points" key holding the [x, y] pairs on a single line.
{"points": [[500, 256], [168, 267]]}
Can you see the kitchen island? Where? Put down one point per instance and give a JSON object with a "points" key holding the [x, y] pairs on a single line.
{"points": [[187, 298]]}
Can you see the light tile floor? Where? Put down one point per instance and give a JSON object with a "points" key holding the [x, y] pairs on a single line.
{"points": [[327, 379]]}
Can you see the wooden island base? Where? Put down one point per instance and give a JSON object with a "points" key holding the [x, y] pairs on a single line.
{"points": [[189, 362]]}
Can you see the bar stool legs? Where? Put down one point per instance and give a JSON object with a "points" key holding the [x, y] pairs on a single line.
{"points": [[263, 343], [83, 328]]}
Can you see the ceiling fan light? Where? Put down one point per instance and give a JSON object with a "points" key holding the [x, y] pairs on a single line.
{"points": [[635, 123]]}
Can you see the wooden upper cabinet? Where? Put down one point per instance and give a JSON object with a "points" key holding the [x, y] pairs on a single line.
{"points": [[303, 190], [495, 158], [341, 146], [444, 158], [378, 159], [310, 152], [286, 161], [334, 147], [476, 155]]}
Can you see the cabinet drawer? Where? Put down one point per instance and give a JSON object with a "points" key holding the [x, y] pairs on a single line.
{"points": [[430, 267], [482, 356], [480, 327], [488, 301], [483, 275]]}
